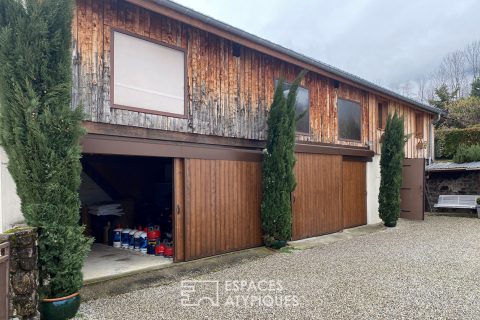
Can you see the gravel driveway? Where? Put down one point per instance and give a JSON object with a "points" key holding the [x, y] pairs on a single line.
{"points": [[419, 270]]}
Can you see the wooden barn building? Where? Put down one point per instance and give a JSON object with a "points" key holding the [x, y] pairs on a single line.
{"points": [[176, 106]]}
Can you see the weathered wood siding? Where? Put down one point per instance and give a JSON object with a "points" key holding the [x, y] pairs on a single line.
{"points": [[227, 96], [416, 147]]}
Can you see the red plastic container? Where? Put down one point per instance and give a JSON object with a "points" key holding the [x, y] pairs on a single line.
{"points": [[160, 249], [169, 252]]}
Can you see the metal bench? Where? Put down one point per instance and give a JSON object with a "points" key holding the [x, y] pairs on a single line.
{"points": [[457, 202]]}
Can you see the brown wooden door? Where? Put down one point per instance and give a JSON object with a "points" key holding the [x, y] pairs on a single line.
{"points": [[317, 198], [354, 185], [222, 206], [411, 193]]}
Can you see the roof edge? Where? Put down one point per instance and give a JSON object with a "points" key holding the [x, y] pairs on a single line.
{"points": [[293, 54]]}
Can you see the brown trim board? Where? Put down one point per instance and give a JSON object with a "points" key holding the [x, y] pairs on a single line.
{"points": [[100, 144], [125, 140]]}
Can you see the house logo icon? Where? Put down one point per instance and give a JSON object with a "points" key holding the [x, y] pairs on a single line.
{"points": [[196, 292]]}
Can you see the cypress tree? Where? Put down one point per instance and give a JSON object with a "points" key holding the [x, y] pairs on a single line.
{"points": [[40, 133], [278, 179], [391, 165]]}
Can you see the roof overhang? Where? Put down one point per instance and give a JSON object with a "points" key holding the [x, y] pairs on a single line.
{"points": [[211, 25]]}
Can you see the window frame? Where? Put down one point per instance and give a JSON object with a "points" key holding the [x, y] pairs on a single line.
{"points": [[383, 105], [361, 121], [301, 133], [419, 135], [113, 105]]}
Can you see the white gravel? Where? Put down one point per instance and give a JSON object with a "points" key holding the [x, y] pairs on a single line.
{"points": [[420, 270]]}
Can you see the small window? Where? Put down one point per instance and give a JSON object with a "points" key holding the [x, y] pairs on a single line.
{"points": [[419, 125], [302, 104], [147, 76], [349, 120], [382, 114]]}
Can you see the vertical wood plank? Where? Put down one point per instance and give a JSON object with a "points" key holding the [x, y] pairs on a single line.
{"points": [[179, 208]]}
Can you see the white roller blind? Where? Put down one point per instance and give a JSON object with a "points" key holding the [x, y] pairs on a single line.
{"points": [[148, 75]]}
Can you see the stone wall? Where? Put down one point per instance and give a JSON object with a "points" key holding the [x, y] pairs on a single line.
{"points": [[23, 272], [441, 183]]}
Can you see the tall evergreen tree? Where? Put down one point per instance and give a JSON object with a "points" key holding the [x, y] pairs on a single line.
{"points": [[40, 133], [391, 165], [475, 88], [278, 162]]}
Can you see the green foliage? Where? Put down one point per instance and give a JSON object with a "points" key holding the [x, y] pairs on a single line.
{"points": [[444, 97], [391, 164], [464, 112], [448, 140], [478, 201], [278, 179], [475, 88], [466, 153], [40, 132]]}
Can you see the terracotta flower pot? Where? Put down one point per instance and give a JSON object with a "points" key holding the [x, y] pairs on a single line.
{"points": [[60, 308]]}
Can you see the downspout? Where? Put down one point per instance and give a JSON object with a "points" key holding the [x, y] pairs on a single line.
{"points": [[431, 140]]}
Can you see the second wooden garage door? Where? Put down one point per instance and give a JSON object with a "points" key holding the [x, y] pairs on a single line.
{"points": [[317, 197], [330, 195], [222, 206]]}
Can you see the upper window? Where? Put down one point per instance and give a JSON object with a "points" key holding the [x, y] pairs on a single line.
{"points": [[302, 104], [419, 125], [349, 120], [382, 114], [147, 76]]}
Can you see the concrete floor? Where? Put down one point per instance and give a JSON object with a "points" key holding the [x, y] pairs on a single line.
{"points": [[105, 262]]}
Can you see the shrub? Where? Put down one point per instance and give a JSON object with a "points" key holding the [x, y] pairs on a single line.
{"points": [[278, 179], [40, 133], [391, 164], [448, 140], [466, 153]]}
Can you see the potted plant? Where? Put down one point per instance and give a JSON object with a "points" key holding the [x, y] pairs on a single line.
{"points": [[40, 133]]}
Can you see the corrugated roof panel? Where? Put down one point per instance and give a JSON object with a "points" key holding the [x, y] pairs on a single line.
{"points": [[452, 166]]}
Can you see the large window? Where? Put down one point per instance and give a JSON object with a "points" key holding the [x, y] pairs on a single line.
{"points": [[349, 120], [147, 76], [302, 104]]}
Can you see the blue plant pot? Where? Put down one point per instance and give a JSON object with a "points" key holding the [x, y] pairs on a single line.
{"points": [[60, 308]]}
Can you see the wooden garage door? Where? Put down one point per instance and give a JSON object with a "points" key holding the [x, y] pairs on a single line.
{"points": [[354, 207], [222, 206], [318, 195]]}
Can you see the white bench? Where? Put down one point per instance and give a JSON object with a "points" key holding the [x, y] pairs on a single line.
{"points": [[457, 202]]}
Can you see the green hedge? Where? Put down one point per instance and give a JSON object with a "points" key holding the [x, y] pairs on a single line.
{"points": [[448, 140], [467, 153]]}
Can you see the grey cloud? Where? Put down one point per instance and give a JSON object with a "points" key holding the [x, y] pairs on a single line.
{"points": [[388, 42]]}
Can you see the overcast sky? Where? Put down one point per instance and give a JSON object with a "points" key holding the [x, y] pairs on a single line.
{"points": [[387, 42]]}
